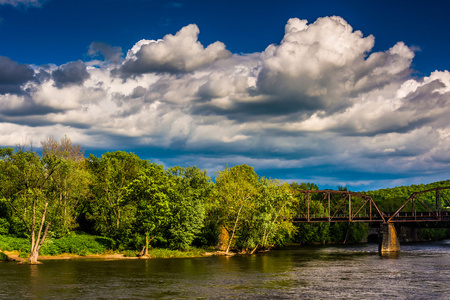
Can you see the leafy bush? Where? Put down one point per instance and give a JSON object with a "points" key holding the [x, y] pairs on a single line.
{"points": [[4, 226], [77, 244], [129, 253], [432, 234], [10, 243], [3, 257]]}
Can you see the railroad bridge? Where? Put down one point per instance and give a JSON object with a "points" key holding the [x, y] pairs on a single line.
{"points": [[429, 207]]}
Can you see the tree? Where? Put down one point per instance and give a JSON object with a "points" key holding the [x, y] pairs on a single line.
{"points": [[270, 223], [62, 149], [109, 210], [295, 186], [191, 189], [149, 194], [235, 191], [310, 233], [69, 182], [25, 187]]}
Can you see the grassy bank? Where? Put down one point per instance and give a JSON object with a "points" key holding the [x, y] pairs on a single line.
{"points": [[79, 244], [82, 245]]}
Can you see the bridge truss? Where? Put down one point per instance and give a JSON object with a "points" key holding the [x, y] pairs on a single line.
{"points": [[316, 206]]}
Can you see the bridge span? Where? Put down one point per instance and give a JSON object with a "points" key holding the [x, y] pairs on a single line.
{"points": [[430, 206]]}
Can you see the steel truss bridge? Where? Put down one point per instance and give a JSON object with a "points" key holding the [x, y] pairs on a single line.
{"points": [[344, 206], [429, 207]]}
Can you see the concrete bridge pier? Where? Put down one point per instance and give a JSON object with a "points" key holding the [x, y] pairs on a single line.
{"points": [[388, 239]]}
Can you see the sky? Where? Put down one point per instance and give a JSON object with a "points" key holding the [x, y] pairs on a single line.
{"points": [[338, 93]]}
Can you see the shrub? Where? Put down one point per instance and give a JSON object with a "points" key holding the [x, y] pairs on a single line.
{"points": [[129, 253], [3, 257], [76, 244], [80, 244], [10, 243], [4, 226]]}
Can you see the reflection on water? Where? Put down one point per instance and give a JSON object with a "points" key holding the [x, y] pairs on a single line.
{"points": [[390, 255], [339, 272]]}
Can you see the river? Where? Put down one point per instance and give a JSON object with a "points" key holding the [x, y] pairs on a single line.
{"points": [[421, 271]]}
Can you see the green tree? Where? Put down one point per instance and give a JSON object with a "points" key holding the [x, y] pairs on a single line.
{"points": [[25, 187], [271, 219], [309, 233], [109, 211], [148, 193], [235, 191], [69, 183], [191, 190], [295, 186]]}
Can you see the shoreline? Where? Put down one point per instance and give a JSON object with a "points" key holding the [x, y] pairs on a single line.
{"points": [[13, 256]]}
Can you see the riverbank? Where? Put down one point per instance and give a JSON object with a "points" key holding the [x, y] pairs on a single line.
{"points": [[82, 246], [15, 256]]}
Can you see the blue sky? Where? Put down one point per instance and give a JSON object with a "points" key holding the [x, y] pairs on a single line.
{"points": [[352, 93]]}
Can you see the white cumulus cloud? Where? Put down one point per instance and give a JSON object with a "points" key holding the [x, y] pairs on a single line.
{"points": [[323, 65], [181, 52]]}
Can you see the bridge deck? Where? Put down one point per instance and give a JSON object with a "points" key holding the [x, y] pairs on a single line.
{"points": [[400, 217]]}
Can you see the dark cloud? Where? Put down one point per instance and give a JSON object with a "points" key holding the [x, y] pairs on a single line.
{"points": [[380, 69], [384, 125], [139, 67], [109, 53], [266, 106], [13, 75], [73, 73], [42, 75], [27, 108], [442, 156], [396, 153], [294, 92], [138, 91], [427, 97], [36, 120]]}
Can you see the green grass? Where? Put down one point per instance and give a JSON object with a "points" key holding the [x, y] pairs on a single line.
{"points": [[83, 244], [167, 253]]}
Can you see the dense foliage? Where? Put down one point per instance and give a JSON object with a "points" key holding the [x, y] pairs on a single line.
{"points": [[66, 203], [389, 200]]}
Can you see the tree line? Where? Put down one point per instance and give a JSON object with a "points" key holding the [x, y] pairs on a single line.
{"points": [[140, 204]]}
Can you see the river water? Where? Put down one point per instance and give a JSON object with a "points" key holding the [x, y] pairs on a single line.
{"points": [[421, 271]]}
